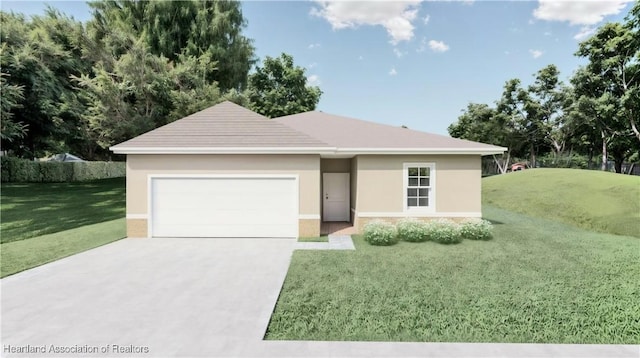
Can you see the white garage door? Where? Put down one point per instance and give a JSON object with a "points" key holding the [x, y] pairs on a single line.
{"points": [[224, 207]]}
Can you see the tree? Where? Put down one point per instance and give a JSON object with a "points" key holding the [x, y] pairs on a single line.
{"points": [[182, 29], [614, 56], [279, 88], [10, 100], [481, 123], [608, 88], [38, 59], [547, 102], [516, 105]]}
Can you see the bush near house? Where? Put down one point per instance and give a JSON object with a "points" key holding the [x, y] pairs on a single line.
{"points": [[444, 231], [412, 230], [476, 229], [18, 170], [380, 233]]}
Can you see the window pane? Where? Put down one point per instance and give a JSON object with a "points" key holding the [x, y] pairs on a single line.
{"points": [[413, 171], [424, 181], [423, 172], [412, 192], [412, 202], [424, 192], [424, 201], [413, 181]]}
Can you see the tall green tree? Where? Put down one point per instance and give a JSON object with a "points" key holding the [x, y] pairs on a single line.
{"points": [[608, 87], [517, 106], [279, 88], [38, 59], [614, 56], [482, 123], [177, 29], [546, 104]]}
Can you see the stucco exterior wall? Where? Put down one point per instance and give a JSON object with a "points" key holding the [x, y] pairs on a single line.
{"points": [[380, 183], [307, 167]]}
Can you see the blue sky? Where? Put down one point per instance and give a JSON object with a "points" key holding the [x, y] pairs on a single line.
{"points": [[413, 63]]}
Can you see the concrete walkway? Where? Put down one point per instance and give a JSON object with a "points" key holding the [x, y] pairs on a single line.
{"points": [[191, 298], [336, 242]]}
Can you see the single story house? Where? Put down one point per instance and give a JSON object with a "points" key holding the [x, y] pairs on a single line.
{"points": [[229, 172]]}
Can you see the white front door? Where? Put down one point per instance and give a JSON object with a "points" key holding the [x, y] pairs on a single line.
{"points": [[335, 187]]}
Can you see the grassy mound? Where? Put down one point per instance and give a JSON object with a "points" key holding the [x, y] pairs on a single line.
{"points": [[594, 200]]}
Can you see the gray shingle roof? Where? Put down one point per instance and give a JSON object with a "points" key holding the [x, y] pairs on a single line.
{"points": [[223, 125], [230, 128], [344, 132]]}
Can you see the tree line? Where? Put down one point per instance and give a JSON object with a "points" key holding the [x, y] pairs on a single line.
{"points": [[68, 86], [596, 114]]}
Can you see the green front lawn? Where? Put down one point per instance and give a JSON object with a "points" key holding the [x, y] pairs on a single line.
{"points": [[323, 238], [537, 281], [24, 254], [35, 209]]}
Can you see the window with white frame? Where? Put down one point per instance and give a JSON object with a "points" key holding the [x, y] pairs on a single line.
{"points": [[419, 185]]}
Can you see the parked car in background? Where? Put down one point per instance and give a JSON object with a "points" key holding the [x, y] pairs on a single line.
{"points": [[518, 166], [64, 157]]}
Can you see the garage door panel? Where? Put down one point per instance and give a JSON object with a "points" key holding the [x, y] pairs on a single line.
{"points": [[224, 231], [224, 207], [221, 217]]}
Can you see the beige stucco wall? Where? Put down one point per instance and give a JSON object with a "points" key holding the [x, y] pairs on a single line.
{"points": [[308, 228], [307, 167], [136, 227], [354, 186], [361, 222], [380, 183]]}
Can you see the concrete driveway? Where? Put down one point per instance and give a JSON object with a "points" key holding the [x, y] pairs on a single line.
{"points": [[172, 297], [187, 298]]}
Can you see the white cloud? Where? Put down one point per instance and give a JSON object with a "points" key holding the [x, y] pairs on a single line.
{"points": [[507, 53], [395, 16], [360, 58], [312, 46], [585, 32], [423, 45], [313, 80], [426, 19], [393, 72], [438, 46], [548, 33], [398, 53], [536, 53], [312, 65], [578, 12]]}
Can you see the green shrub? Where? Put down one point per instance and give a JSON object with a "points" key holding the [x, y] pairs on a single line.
{"points": [[380, 233], [23, 170], [444, 231], [476, 229], [412, 230], [55, 172], [18, 170]]}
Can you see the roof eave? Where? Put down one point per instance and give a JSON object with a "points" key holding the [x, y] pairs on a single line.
{"points": [[307, 150], [423, 151], [221, 150]]}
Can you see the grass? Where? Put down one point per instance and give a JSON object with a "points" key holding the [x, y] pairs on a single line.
{"points": [[594, 200], [24, 254], [323, 238], [538, 280], [35, 209]]}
